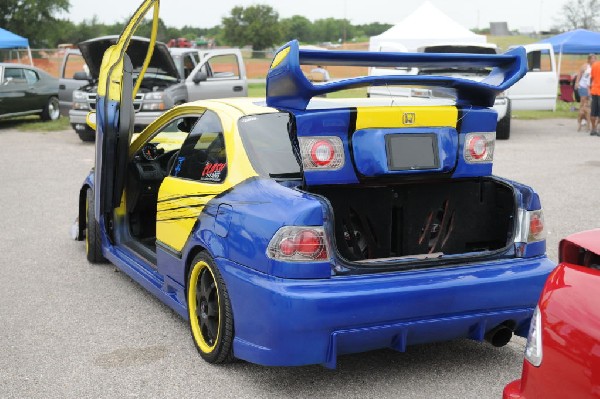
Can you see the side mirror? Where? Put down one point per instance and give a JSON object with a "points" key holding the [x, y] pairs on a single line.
{"points": [[200, 76], [81, 76]]}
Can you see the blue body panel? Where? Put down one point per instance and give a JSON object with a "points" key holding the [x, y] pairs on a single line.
{"points": [[297, 314], [296, 322], [365, 149], [473, 119], [288, 88], [369, 147], [328, 123]]}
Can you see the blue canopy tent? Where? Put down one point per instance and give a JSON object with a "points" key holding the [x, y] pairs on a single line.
{"points": [[9, 40], [578, 41]]}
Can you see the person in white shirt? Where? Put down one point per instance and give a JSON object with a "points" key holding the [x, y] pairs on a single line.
{"points": [[319, 74], [582, 85]]}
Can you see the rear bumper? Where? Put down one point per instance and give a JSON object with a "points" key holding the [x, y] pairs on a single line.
{"points": [[513, 391], [297, 322]]}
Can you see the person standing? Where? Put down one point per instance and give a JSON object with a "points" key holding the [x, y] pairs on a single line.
{"points": [[582, 85], [595, 92], [319, 74]]}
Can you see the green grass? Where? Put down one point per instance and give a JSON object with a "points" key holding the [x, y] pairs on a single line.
{"points": [[256, 89], [35, 124], [563, 110], [504, 42]]}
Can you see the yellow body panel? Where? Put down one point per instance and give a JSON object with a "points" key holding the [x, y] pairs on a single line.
{"points": [[280, 57], [180, 201], [406, 116], [111, 69]]}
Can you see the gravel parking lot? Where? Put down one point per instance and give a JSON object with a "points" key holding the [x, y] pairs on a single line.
{"points": [[69, 329]]}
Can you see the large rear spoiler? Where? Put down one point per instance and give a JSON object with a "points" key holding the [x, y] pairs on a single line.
{"points": [[288, 87]]}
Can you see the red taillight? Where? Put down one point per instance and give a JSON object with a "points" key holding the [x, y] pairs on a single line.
{"points": [[536, 225], [322, 152], [479, 147], [306, 243], [531, 226], [287, 247], [296, 243], [309, 243]]}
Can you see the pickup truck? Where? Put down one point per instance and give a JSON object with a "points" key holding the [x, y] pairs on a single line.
{"points": [[174, 77], [535, 91]]}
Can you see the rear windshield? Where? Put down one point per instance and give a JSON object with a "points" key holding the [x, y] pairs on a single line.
{"points": [[267, 143]]}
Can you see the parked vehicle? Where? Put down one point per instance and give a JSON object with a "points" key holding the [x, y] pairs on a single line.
{"points": [[175, 76], [26, 90], [563, 347], [291, 230], [180, 42], [217, 73], [536, 90]]}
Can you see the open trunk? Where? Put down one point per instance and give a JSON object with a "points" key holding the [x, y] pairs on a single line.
{"points": [[450, 217]]}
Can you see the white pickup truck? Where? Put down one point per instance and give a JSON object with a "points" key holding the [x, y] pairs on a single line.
{"points": [[175, 76], [535, 91]]}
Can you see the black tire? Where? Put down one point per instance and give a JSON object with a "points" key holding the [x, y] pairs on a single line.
{"points": [[503, 127], [93, 239], [51, 111], [209, 311], [87, 134]]}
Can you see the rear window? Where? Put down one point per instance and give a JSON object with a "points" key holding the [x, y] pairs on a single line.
{"points": [[268, 145]]}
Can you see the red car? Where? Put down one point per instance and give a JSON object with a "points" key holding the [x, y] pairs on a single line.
{"points": [[562, 355]]}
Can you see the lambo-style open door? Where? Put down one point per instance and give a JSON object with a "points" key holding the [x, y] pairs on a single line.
{"points": [[115, 114]]}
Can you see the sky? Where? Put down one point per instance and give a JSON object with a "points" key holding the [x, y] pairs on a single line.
{"points": [[531, 14]]}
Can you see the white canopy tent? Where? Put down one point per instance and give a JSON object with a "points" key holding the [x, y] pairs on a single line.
{"points": [[427, 25]]}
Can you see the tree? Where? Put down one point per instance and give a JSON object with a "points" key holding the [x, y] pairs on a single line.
{"points": [[32, 19], [332, 30], [584, 14], [297, 27], [257, 25], [373, 29]]}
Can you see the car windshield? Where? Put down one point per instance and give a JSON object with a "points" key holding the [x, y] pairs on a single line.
{"points": [[268, 145]]}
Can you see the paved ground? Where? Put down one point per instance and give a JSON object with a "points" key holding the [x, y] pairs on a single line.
{"points": [[69, 329]]}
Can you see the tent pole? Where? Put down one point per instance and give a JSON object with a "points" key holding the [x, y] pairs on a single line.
{"points": [[30, 56], [559, 61], [558, 69]]}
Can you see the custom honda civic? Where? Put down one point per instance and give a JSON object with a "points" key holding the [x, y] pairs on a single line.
{"points": [[294, 229]]}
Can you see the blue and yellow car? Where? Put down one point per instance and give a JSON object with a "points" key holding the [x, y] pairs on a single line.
{"points": [[294, 229]]}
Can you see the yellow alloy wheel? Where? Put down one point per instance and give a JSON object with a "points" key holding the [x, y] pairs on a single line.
{"points": [[209, 310]]}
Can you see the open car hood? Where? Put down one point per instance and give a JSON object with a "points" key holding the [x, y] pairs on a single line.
{"points": [[161, 63]]}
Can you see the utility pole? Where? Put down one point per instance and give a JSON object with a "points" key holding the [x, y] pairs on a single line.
{"points": [[541, 10], [344, 30]]}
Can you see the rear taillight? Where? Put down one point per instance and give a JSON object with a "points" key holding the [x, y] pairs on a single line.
{"points": [[479, 147], [298, 244], [531, 226], [322, 153], [533, 348]]}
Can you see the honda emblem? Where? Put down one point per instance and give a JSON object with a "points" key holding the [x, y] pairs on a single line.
{"points": [[408, 118]]}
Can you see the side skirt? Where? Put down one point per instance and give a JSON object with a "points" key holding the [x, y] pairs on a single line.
{"points": [[144, 275]]}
